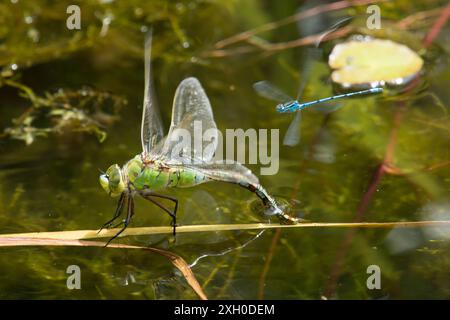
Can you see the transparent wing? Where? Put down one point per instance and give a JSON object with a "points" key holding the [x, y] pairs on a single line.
{"points": [[293, 135], [267, 90], [224, 171], [334, 27], [328, 107], [312, 55], [193, 132], [151, 127]]}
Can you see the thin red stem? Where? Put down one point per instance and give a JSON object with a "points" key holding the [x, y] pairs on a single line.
{"points": [[437, 27]]}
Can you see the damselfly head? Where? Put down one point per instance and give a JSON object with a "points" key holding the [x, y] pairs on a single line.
{"points": [[282, 107], [290, 106], [112, 181]]}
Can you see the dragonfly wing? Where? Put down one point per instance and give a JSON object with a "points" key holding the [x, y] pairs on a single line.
{"points": [[312, 55], [331, 29], [225, 171], [193, 133], [267, 90], [152, 130], [292, 136], [328, 107]]}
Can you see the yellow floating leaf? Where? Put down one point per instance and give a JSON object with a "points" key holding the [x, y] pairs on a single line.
{"points": [[373, 62]]}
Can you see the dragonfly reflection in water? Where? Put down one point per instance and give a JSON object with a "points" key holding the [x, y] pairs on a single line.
{"points": [[164, 164]]}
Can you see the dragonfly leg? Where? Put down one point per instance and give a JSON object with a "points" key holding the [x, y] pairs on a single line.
{"points": [[118, 212], [130, 213], [173, 213]]}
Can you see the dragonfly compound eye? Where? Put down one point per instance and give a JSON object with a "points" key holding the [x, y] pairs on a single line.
{"points": [[104, 182], [115, 181]]}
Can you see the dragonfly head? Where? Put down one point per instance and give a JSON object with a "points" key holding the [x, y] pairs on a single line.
{"points": [[112, 181]]}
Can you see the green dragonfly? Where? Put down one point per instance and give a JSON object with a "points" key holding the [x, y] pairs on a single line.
{"points": [[164, 163]]}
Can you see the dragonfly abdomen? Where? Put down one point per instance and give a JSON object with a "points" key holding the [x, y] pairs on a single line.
{"points": [[156, 177], [268, 201], [185, 178]]}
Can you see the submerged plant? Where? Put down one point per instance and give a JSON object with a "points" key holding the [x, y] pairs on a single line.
{"points": [[84, 110]]}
